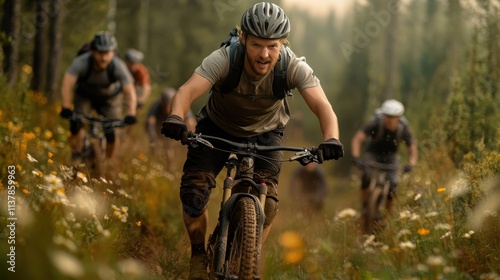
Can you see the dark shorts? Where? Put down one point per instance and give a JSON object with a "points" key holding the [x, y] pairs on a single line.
{"points": [[203, 164]]}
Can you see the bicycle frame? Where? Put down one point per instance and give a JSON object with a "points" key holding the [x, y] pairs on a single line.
{"points": [[234, 190], [94, 141], [379, 190]]}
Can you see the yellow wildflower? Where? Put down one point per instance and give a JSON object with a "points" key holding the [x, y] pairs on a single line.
{"points": [[48, 134], [423, 231]]}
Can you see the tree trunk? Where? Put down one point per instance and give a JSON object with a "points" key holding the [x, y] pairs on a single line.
{"points": [[391, 55], [53, 66], [40, 43], [11, 25], [111, 16], [143, 26]]}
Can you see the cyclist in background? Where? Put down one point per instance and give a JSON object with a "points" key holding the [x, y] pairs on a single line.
{"points": [[100, 82], [140, 73], [157, 113], [308, 188], [248, 112], [385, 132]]}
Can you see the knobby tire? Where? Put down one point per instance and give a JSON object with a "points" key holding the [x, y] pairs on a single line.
{"points": [[243, 239], [93, 157], [374, 214]]}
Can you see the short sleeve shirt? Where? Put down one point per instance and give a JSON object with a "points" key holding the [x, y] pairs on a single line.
{"points": [[250, 109], [99, 80], [388, 143], [141, 75]]}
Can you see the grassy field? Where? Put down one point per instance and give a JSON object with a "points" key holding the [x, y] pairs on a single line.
{"points": [[445, 225]]}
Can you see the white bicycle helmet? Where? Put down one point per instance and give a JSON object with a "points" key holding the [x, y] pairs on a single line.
{"points": [[393, 108], [134, 56]]}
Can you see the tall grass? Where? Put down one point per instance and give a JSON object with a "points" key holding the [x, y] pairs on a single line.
{"points": [[446, 223]]}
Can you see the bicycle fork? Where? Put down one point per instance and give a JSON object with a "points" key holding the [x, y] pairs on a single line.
{"points": [[229, 200]]}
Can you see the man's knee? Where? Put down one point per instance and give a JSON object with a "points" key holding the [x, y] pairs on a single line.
{"points": [[271, 209], [195, 192]]}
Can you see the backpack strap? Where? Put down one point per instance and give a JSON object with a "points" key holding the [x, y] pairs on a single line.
{"points": [[280, 86], [236, 60], [90, 64]]}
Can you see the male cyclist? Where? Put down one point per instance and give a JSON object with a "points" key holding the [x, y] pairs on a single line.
{"points": [[98, 79], [157, 113], [385, 133], [140, 73], [248, 112]]}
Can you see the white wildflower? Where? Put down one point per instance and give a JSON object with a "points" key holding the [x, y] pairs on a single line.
{"points": [[31, 159], [406, 214], [446, 235], [369, 240], [417, 197], [403, 232], [443, 227], [346, 214], [432, 214], [435, 261], [82, 177], [407, 245], [67, 264], [131, 267], [449, 269]]}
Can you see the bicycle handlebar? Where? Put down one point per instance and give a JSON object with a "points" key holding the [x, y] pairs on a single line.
{"points": [[303, 155], [381, 166], [93, 120]]}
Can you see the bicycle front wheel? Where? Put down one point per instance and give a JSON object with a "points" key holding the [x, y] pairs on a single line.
{"points": [[374, 215], [244, 242]]}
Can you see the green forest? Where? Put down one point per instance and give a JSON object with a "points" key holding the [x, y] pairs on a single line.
{"points": [[440, 58]]}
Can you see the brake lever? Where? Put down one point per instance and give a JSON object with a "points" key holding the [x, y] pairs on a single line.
{"points": [[196, 139], [304, 158]]}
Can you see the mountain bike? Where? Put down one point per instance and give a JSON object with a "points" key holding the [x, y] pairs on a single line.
{"points": [[94, 142], [374, 218], [234, 247]]}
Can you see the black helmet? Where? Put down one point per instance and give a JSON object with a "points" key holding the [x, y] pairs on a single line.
{"points": [[265, 20], [103, 41]]}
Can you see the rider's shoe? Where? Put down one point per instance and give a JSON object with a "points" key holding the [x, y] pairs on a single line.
{"points": [[198, 267]]}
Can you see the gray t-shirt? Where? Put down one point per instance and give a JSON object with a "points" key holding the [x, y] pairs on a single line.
{"points": [[243, 112], [99, 83]]}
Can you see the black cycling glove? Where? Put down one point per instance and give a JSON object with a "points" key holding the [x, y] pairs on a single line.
{"points": [[330, 149], [174, 127], [129, 119], [66, 113], [407, 168]]}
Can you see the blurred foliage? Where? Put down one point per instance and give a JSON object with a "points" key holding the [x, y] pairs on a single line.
{"points": [[448, 78]]}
